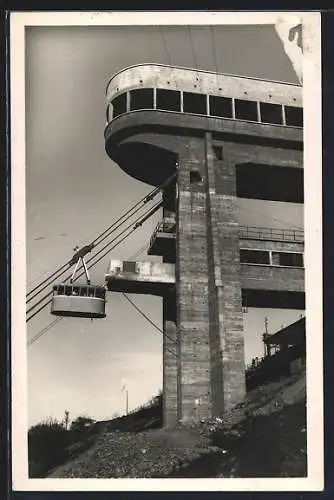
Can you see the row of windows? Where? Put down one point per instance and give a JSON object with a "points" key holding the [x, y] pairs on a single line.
{"points": [[288, 259], [223, 107], [80, 290], [268, 257]]}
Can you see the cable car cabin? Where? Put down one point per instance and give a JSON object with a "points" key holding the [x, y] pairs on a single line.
{"points": [[79, 301]]}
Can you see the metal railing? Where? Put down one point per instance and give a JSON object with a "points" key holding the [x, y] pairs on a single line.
{"points": [[268, 233], [245, 232], [165, 226]]}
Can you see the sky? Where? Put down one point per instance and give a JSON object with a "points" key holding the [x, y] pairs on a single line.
{"points": [[74, 191]]}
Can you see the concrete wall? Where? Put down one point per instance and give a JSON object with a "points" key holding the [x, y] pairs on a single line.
{"points": [[260, 277], [192, 80], [145, 271]]}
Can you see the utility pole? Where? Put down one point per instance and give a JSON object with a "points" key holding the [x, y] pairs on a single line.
{"points": [[265, 336], [127, 401], [125, 389]]}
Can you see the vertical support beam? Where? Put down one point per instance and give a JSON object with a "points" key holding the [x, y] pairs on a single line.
{"points": [[274, 258], [228, 383], [209, 304], [283, 115], [233, 108], [192, 287], [169, 368], [258, 109], [154, 98], [170, 341]]}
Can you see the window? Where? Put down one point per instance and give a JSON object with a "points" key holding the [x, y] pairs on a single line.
{"points": [[194, 103], [59, 290], [119, 105], [220, 106], [254, 257], [195, 176], [129, 267], [291, 259], [218, 152], [141, 99], [100, 292], [245, 110], [271, 113], [168, 100], [294, 116]]}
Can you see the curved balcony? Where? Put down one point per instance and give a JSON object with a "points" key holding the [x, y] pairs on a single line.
{"points": [[149, 105], [205, 82]]}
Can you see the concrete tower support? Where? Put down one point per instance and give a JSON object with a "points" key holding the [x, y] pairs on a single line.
{"points": [[210, 323], [227, 137], [170, 361]]}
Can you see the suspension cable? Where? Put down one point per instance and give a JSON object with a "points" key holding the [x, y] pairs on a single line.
{"points": [[42, 332], [59, 272], [68, 277], [165, 45], [147, 318], [128, 230], [152, 323], [94, 242], [53, 323], [195, 58], [214, 54], [167, 53], [105, 234]]}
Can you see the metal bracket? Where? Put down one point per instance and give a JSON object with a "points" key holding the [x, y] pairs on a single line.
{"points": [[82, 259]]}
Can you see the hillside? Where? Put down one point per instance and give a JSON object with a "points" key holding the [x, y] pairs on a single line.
{"points": [[271, 421]]}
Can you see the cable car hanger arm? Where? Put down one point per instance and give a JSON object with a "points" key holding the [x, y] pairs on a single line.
{"points": [[80, 253]]}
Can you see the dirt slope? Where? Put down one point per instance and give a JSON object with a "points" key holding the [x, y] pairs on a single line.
{"points": [[265, 436]]}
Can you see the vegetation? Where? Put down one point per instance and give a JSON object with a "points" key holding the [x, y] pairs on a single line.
{"points": [[263, 436], [47, 444], [53, 442]]}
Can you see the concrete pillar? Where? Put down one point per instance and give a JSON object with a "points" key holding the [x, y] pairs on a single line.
{"points": [[209, 306], [192, 287], [228, 382], [169, 374]]}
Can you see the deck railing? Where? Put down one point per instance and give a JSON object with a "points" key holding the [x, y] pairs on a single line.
{"points": [[164, 226], [268, 233], [245, 232]]}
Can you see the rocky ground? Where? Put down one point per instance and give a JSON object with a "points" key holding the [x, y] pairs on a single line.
{"points": [[265, 436]]}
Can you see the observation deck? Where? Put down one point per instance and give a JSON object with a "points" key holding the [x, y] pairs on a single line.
{"points": [[151, 106], [271, 240], [271, 270]]}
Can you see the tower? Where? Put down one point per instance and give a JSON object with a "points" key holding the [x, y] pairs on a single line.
{"points": [[225, 137]]}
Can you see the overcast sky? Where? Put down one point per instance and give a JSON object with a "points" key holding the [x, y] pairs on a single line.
{"points": [[74, 191]]}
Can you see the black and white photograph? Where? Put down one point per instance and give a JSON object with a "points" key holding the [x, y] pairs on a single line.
{"points": [[166, 198]]}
